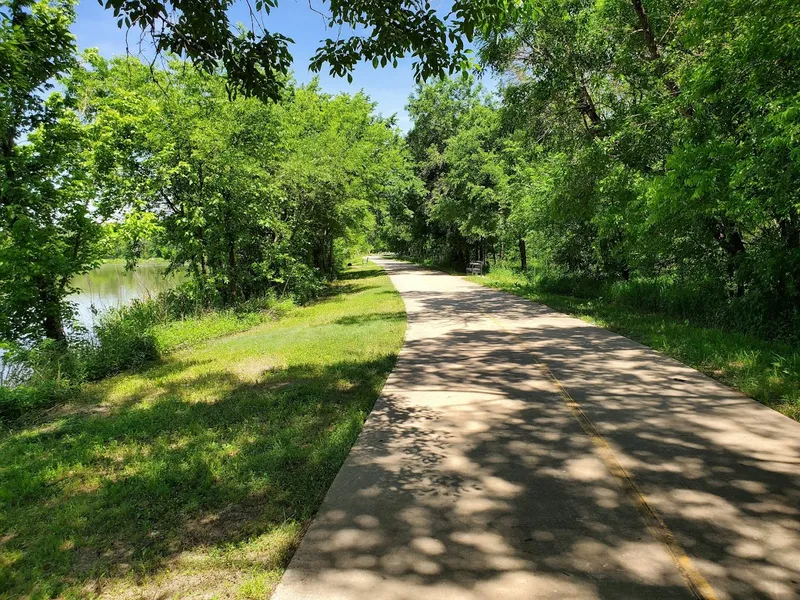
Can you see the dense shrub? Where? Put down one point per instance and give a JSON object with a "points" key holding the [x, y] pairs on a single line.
{"points": [[36, 377], [707, 303], [123, 340]]}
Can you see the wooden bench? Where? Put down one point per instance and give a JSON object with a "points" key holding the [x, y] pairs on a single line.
{"points": [[475, 268]]}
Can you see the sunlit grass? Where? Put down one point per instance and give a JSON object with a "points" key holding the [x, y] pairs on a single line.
{"points": [[765, 370], [197, 476], [195, 329]]}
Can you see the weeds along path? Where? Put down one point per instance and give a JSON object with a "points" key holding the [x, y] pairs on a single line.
{"points": [[195, 478], [516, 452]]}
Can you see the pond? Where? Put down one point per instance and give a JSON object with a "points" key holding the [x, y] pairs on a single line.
{"points": [[111, 286]]}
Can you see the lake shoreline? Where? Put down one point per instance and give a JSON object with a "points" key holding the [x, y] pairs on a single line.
{"points": [[111, 286]]}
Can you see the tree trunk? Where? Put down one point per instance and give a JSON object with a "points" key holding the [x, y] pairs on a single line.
{"points": [[232, 268], [730, 240], [232, 274], [200, 235], [647, 30], [652, 45], [52, 321], [523, 255], [587, 106], [54, 326], [789, 230]]}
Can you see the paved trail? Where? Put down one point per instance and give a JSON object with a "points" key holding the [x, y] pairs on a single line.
{"points": [[609, 472]]}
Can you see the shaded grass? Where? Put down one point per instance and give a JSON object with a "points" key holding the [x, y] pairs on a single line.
{"points": [[196, 477], [765, 370]]}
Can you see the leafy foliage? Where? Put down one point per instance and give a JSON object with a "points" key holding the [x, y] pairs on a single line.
{"points": [[249, 196], [640, 145], [253, 199], [257, 60], [647, 141], [46, 226]]}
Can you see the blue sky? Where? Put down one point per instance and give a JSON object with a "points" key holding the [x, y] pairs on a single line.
{"points": [[96, 27]]}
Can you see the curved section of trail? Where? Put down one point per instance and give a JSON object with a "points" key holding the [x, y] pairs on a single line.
{"points": [[520, 453]]}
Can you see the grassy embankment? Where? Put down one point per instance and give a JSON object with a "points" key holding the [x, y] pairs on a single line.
{"points": [[765, 370], [196, 476]]}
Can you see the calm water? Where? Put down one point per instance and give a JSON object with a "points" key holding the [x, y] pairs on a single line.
{"points": [[111, 286]]}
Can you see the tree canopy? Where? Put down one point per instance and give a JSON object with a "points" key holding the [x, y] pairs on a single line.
{"points": [[646, 140], [654, 140], [257, 59], [249, 197]]}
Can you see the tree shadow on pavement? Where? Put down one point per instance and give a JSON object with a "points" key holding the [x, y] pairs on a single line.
{"points": [[472, 472]]}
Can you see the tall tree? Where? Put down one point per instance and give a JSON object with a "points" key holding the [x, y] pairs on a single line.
{"points": [[46, 226], [438, 111], [251, 196]]}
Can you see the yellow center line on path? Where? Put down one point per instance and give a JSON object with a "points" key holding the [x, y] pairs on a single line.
{"points": [[697, 583]]}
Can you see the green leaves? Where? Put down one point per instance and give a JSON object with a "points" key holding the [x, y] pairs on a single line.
{"points": [[47, 226], [635, 139], [251, 197], [257, 60]]}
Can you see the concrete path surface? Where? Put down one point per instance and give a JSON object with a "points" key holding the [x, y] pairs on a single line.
{"points": [[516, 452]]}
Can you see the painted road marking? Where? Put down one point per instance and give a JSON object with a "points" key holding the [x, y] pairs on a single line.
{"points": [[694, 579]]}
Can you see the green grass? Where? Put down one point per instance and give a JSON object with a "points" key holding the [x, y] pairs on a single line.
{"points": [[195, 329], [198, 475], [765, 370]]}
